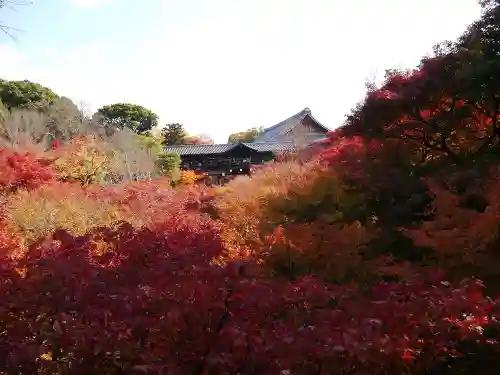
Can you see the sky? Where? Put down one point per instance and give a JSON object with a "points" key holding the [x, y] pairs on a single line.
{"points": [[223, 66]]}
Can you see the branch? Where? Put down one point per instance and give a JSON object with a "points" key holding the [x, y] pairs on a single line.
{"points": [[7, 30], [452, 106], [444, 147], [426, 142], [11, 5], [494, 125], [418, 117], [481, 109]]}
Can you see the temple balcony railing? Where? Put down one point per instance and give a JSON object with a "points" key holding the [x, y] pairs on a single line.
{"points": [[219, 165]]}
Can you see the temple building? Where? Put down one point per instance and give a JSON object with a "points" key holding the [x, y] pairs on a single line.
{"points": [[223, 160], [300, 129]]}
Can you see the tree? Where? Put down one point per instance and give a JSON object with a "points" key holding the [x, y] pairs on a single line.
{"points": [[23, 171], [65, 119], [248, 135], [136, 154], [151, 144], [125, 115], [86, 160], [448, 106], [221, 318], [173, 134], [477, 72], [198, 140], [168, 163], [429, 108], [60, 119], [4, 112], [21, 127], [25, 94], [10, 3]]}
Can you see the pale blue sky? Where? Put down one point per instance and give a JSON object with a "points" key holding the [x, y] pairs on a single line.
{"points": [[220, 66]]}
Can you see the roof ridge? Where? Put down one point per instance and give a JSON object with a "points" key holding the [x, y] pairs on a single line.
{"points": [[222, 148], [203, 144], [284, 126], [267, 142], [302, 113]]}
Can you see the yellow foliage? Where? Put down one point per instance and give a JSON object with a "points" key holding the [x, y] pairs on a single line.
{"points": [[280, 193], [46, 356], [241, 204], [11, 242], [84, 159], [188, 177], [38, 213], [331, 251], [290, 216]]}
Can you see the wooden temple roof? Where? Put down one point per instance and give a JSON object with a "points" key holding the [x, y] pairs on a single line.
{"points": [[281, 128], [224, 148], [269, 141]]}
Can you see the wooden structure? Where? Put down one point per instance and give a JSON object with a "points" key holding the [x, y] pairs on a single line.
{"points": [[224, 160], [301, 129]]}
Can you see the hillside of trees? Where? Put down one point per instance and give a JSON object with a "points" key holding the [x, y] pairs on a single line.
{"points": [[378, 253]]}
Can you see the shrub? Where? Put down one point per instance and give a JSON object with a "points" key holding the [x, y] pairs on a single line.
{"points": [[39, 212], [298, 219], [318, 248], [157, 303], [168, 163], [146, 202], [136, 155], [320, 235], [84, 159], [387, 188], [188, 177], [242, 202], [23, 171], [12, 245], [463, 240], [384, 173]]}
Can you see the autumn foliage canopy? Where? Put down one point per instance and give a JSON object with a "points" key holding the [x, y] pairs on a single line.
{"points": [[375, 254]]}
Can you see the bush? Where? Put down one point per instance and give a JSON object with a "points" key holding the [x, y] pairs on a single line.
{"points": [[85, 160], [465, 241], [23, 171], [168, 163], [188, 177], [241, 204], [157, 303], [147, 202], [136, 155], [12, 245], [152, 295], [298, 219], [280, 273], [40, 212], [333, 252]]}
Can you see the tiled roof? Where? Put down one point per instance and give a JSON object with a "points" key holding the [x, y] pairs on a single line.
{"points": [[284, 126], [198, 149], [270, 146], [221, 148]]}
